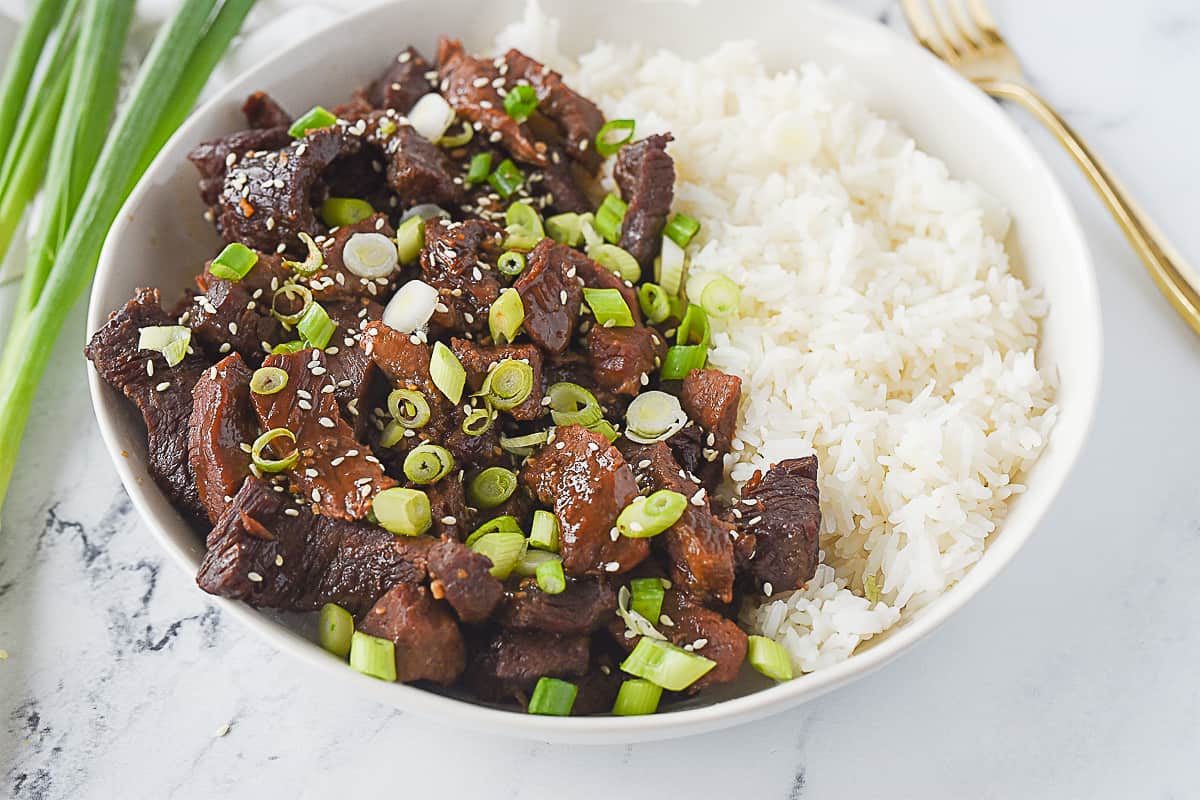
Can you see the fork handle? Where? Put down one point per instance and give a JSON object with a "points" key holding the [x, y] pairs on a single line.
{"points": [[1162, 260]]}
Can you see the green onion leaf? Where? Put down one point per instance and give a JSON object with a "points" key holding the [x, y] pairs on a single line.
{"points": [[571, 404], [654, 416], [505, 523], [666, 665], [655, 303], [647, 597], [605, 429], [507, 178], [609, 218], [409, 408], [637, 696], [681, 360], [170, 340], [531, 560], [768, 657], [506, 316], [614, 134], [721, 297], [458, 139], [335, 629], [552, 697], [402, 511], [669, 266], [315, 326], [428, 463], [511, 263], [520, 102], [694, 329], [234, 262], [523, 445], [566, 228], [288, 291], [481, 165], [410, 238], [543, 533], [550, 577], [338, 211], [524, 227], [491, 487], [312, 262], [316, 117], [681, 228], [503, 548], [268, 380], [373, 656], [617, 260], [609, 307], [289, 347], [391, 434], [273, 465], [477, 422], [447, 372], [648, 517], [508, 384]]}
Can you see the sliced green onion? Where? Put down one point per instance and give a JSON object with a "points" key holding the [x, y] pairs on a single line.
{"points": [[605, 429], [294, 346], [647, 597], [552, 697], [403, 511], [524, 226], [290, 290], [335, 629], [491, 487], [681, 228], [666, 665], [392, 434], [503, 548], [312, 262], [315, 117], [669, 266], [681, 360], [655, 303], [694, 329], [531, 560], [481, 165], [373, 656], [511, 263], [617, 260], [409, 408], [520, 102], [170, 340], [428, 463], [609, 307], [507, 178], [609, 218], [458, 139], [523, 445], [477, 422], [505, 523], [410, 238], [509, 384], [642, 519], [566, 228], [571, 404], [678, 306], [721, 297], [268, 380], [338, 211], [587, 229], [447, 372], [543, 533], [654, 416], [636, 697], [234, 262], [614, 134], [550, 577], [370, 255], [275, 465], [506, 316], [315, 327], [768, 657]]}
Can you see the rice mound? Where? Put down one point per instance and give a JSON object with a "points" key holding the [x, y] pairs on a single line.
{"points": [[880, 327]]}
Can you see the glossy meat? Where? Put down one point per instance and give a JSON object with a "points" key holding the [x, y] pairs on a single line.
{"points": [[461, 576], [458, 261], [579, 118], [710, 398], [221, 424], [586, 605], [403, 83], [428, 643], [596, 276], [263, 112], [646, 175], [477, 360], [782, 510], [226, 318], [550, 292], [623, 359], [212, 158], [335, 281]]}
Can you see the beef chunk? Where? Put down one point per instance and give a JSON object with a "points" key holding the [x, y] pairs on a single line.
{"points": [[350, 369], [403, 83], [461, 576], [587, 482], [448, 507], [579, 118], [622, 359], [596, 692], [226, 318], [710, 398], [337, 473], [429, 646], [478, 360], [334, 281], [782, 510], [551, 295], [700, 546], [457, 261], [276, 206], [563, 187], [264, 113], [586, 605], [161, 393], [418, 170], [711, 635], [509, 663], [212, 158], [597, 276], [646, 175], [273, 552], [222, 422], [467, 84]]}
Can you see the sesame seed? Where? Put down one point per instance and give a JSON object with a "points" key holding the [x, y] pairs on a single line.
{"points": [[614, 534], [449, 520], [325, 422], [665, 620], [562, 297], [318, 371], [304, 405], [337, 462], [768, 589], [150, 367], [316, 495], [291, 512], [225, 348], [698, 498], [224, 729], [612, 566], [279, 561], [311, 473], [254, 576], [162, 387], [755, 520]]}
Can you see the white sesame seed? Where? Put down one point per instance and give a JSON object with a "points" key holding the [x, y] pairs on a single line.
{"points": [[449, 520], [304, 405], [311, 473], [316, 495], [612, 566], [614, 534], [225, 348], [665, 620], [254, 576], [162, 387], [698, 497], [325, 422], [755, 520], [337, 462], [291, 512], [768, 589], [279, 561]]}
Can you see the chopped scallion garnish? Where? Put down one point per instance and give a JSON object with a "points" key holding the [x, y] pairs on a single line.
{"points": [[268, 380], [294, 346], [458, 139], [410, 238], [616, 260], [550, 577], [505, 523], [428, 463], [681, 360], [370, 255], [402, 511], [170, 340], [614, 134], [520, 102], [511, 263], [530, 561], [655, 303], [609, 218], [234, 262], [609, 307], [273, 465], [491, 487], [669, 266], [373, 656], [524, 227], [481, 165], [646, 597], [523, 445], [409, 408], [509, 384], [654, 416], [503, 548], [507, 178], [571, 404], [316, 117], [694, 328], [721, 296], [506, 316], [553, 697], [637, 696], [447, 372], [543, 533], [666, 665], [315, 326], [768, 657], [477, 422], [681, 228], [566, 228], [338, 211], [642, 519], [336, 629]]}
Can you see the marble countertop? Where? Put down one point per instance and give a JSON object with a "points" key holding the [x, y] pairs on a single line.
{"points": [[1072, 675]]}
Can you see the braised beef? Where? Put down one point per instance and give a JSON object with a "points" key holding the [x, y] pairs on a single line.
{"points": [[579, 118], [623, 359], [563, 185], [448, 508], [710, 398], [334, 280], [551, 295], [458, 260], [221, 428], [462, 577], [477, 360], [403, 83], [782, 510], [646, 175], [418, 170], [509, 663], [428, 643], [597, 276], [709, 634], [226, 319], [351, 371], [586, 605], [213, 158], [263, 112]]}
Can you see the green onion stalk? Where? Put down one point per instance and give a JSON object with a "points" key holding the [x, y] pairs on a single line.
{"points": [[21, 64]]}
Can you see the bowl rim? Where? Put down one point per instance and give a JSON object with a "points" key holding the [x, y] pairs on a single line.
{"points": [[591, 730]]}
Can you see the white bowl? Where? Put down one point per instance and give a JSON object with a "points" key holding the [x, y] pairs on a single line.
{"points": [[160, 240]]}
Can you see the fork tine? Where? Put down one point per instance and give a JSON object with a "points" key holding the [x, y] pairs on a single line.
{"points": [[983, 18], [966, 30], [945, 28], [924, 30]]}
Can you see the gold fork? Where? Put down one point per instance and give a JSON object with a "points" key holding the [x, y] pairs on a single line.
{"points": [[966, 38]]}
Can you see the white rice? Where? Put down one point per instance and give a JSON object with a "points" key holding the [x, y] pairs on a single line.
{"points": [[880, 327]]}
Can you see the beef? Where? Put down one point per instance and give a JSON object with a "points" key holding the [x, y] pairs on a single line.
{"points": [[623, 359], [334, 281], [586, 605], [419, 171], [478, 360], [273, 552], [579, 118], [467, 84], [350, 369], [709, 633], [221, 427], [462, 577], [710, 398], [264, 113], [448, 508], [265, 198], [551, 295], [700, 546], [563, 187], [688, 448], [509, 663], [403, 83], [338, 474], [782, 510], [596, 692], [268, 274], [226, 318], [429, 646], [161, 393], [646, 175], [458, 260], [212, 158], [597, 276], [587, 482]]}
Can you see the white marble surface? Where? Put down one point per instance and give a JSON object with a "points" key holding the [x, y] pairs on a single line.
{"points": [[1073, 675]]}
